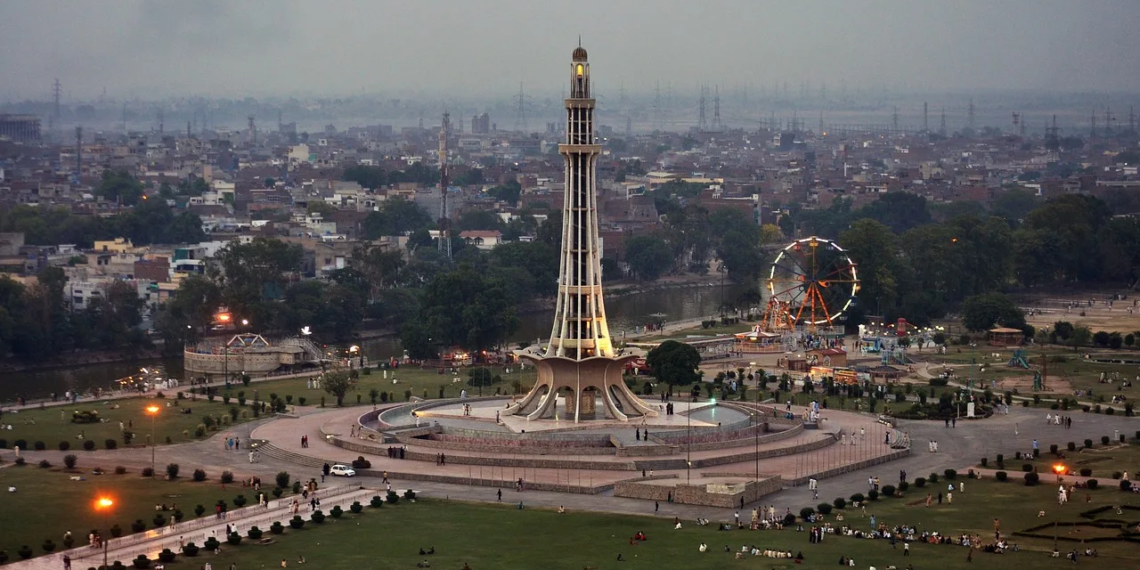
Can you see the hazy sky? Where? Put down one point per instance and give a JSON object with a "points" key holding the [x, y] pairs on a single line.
{"points": [[154, 48]]}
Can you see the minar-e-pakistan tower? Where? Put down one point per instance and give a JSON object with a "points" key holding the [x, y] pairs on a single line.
{"points": [[580, 363]]}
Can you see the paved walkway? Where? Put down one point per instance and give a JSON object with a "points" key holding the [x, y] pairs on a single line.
{"points": [[150, 543]]}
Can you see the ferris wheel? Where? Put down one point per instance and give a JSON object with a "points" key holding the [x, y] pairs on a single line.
{"points": [[816, 280]]}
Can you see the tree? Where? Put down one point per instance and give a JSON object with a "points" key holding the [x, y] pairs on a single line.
{"points": [[899, 211], [251, 275], [874, 250], [983, 312], [321, 207], [370, 177], [538, 259], [674, 363], [339, 383], [479, 220], [508, 192], [394, 218], [648, 257], [463, 308], [739, 250], [1082, 336], [1014, 204], [120, 187], [188, 312]]}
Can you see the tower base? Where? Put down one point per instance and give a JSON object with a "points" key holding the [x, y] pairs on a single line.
{"points": [[581, 383]]}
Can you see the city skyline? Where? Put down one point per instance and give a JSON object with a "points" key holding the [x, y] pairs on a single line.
{"points": [[146, 50]]}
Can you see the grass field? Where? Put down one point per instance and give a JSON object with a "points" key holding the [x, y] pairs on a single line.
{"points": [[1102, 460], [53, 425], [49, 503], [422, 383], [491, 537]]}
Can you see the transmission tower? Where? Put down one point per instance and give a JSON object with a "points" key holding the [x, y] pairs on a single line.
{"points": [[657, 105], [78, 151], [970, 114], [629, 127], [1107, 121], [1092, 130], [1052, 136], [1131, 121], [717, 125], [895, 119], [942, 124], [56, 91], [444, 221], [124, 118], [520, 113], [702, 124], [161, 122], [821, 131]]}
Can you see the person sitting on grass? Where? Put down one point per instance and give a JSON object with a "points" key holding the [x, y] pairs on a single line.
{"points": [[704, 547]]}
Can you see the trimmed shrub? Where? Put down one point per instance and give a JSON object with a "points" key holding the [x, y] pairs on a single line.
{"points": [[64, 445], [356, 507], [1031, 479], [227, 477], [120, 470], [25, 552], [296, 487], [190, 549], [199, 510], [1026, 467], [806, 513], [172, 471], [167, 555], [858, 498], [317, 517], [212, 544], [177, 516], [888, 490], [933, 478], [138, 526], [282, 479], [234, 539], [109, 444], [199, 475], [1092, 484], [141, 562], [147, 472], [1086, 472], [277, 492], [920, 482], [1117, 475], [116, 530], [296, 522], [254, 533], [20, 461], [872, 495], [336, 512], [950, 474], [985, 461], [1088, 443], [1104, 439], [45, 464], [1001, 476], [277, 528], [48, 546], [410, 495], [1071, 446], [240, 501], [1017, 455], [22, 444], [89, 445], [158, 520], [40, 446], [376, 502], [789, 519], [69, 461], [1053, 449], [840, 503], [392, 497], [903, 486], [1126, 485]]}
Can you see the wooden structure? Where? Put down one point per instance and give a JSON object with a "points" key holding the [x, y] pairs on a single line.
{"points": [[834, 357], [1002, 336]]}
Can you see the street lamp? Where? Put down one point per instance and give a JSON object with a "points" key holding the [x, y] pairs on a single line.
{"points": [[152, 411], [103, 505]]}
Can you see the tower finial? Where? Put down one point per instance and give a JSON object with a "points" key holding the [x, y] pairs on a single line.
{"points": [[579, 40]]}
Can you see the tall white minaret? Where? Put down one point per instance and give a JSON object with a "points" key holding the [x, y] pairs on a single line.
{"points": [[580, 329]]}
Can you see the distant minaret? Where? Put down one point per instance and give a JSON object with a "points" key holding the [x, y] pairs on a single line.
{"points": [[942, 123], [925, 118], [444, 181], [702, 123], [970, 115], [717, 125], [79, 151]]}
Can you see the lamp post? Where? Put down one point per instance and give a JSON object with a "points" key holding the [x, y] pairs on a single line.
{"points": [[152, 411], [756, 431], [104, 504]]}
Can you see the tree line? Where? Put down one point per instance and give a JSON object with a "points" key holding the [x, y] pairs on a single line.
{"points": [[914, 266]]}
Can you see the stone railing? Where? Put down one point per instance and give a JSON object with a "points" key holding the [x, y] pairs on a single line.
{"points": [[698, 494]]}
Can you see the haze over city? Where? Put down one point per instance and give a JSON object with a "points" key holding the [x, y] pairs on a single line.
{"points": [[137, 49]]}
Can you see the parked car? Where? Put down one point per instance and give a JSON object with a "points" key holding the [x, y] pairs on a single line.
{"points": [[342, 471]]}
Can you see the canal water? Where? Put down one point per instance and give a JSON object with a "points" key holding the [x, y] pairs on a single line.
{"points": [[624, 313]]}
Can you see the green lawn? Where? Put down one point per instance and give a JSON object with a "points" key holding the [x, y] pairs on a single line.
{"points": [[422, 382], [1061, 364], [49, 503], [488, 537], [54, 425], [1102, 460]]}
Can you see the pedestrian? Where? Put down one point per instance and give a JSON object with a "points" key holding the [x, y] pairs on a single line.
{"points": [[500, 495], [656, 506], [906, 549], [954, 422], [66, 562]]}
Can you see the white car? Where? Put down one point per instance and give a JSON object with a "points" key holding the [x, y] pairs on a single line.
{"points": [[342, 471]]}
